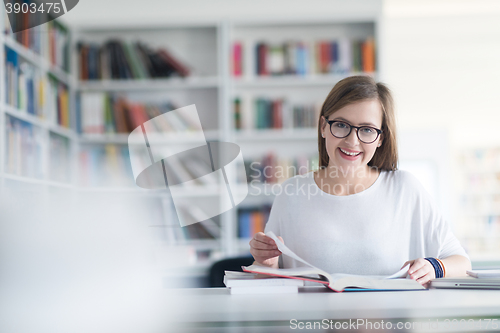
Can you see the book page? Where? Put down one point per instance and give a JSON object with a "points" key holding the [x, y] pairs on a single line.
{"points": [[285, 250], [403, 272]]}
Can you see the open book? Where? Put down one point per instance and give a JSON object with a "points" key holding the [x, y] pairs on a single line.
{"points": [[337, 282]]}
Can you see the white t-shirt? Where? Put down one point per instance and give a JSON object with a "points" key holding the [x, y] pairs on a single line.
{"points": [[371, 232]]}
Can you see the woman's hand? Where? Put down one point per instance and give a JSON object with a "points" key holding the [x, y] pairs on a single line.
{"points": [[421, 270], [264, 250]]}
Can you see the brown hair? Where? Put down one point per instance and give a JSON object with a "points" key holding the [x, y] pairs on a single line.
{"points": [[356, 89]]}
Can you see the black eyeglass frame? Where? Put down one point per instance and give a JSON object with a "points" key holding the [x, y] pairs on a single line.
{"points": [[330, 122]]}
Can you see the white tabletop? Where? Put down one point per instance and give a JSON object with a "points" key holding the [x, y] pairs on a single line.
{"points": [[317, 303]]}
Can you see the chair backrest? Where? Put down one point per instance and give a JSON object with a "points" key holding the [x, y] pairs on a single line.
{"points": [[216, 275]]}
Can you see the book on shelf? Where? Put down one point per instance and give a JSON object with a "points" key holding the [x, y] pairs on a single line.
{"points": [[252, 220], [237, 113], [277, 113], [101, 113], [301, 58], [104, 166], [49, 40], [237, 59], [337, 282], [24, 85], [122, 60], [30, 92], [23, 143]]}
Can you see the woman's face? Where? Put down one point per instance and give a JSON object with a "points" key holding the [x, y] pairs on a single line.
{"points": [[362, 113]]}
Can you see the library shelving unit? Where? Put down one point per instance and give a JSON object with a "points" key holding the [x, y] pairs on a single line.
{"points": [[198, 47], [479, 220], [37, 134], [258, 84], [209, 51]]}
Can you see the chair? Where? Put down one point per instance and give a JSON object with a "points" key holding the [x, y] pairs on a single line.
{"points": [[216, 275]]}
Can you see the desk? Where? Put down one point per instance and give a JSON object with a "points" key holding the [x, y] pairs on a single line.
{"points": [[215, 310]]}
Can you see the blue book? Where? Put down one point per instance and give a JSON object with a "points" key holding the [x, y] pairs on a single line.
{"points": [[244, 224]]}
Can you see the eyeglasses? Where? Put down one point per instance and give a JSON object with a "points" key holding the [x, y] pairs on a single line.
{"points": [[366, 134]]}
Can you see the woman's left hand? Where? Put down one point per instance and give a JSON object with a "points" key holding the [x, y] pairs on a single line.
{"points": [[421, 270]]}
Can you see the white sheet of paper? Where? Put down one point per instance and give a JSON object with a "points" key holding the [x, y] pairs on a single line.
{"points": [[285, 250]]}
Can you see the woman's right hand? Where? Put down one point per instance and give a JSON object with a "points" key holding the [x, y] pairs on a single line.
{"points": [[264, 250]]}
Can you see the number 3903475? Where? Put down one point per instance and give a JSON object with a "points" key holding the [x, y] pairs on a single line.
{"points": [[32, 8]]}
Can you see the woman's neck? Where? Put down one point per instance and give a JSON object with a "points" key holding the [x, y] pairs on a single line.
{"points": [[340, 180]]}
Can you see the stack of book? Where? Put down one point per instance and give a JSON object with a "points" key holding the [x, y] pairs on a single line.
{"points": [[251, 283], [123, 60]]}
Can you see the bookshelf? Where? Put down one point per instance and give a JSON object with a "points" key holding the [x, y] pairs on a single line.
{"points": [[198, 48], [479, 196], [38, 141], [208, 51]]}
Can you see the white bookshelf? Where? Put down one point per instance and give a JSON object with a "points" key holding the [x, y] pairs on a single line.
{"points": [[213, 84], [50, 136], [206, 49]]}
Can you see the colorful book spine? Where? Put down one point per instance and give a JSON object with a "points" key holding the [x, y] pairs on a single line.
{"points": [[105, 113], [50, 40], [119, 60], [340, 56], [24, 84], [58, 105], [105, 166], [252, 220], [274, 114]]}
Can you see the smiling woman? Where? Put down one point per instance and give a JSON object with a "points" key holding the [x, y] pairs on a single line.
{"points": [[360, 215]]}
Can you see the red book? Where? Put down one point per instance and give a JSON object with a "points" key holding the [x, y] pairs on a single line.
{"points": [[278, 114], [263, 52], [237, 59], [325, 50], [135, 116]]}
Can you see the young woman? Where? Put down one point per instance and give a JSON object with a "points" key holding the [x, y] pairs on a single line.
{"points": [[358, 214]]}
